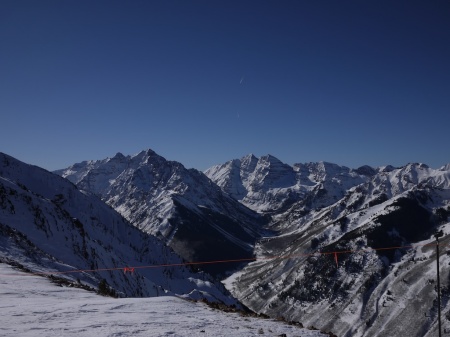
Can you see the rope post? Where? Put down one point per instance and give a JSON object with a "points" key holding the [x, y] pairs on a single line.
{"points": [[437, 236]]}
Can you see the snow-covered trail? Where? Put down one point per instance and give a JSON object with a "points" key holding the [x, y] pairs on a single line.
{"points": [[33, 306]]}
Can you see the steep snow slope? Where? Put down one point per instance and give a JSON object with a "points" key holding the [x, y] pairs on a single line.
{"points": [[47, 225], [371, 291], [182, 207], [32, 306]]}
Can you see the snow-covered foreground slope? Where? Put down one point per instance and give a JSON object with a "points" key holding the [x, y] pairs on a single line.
{"points": [[32, 306]]}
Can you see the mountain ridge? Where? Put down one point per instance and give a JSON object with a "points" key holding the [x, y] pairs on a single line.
{"points": [[311, 208], [48, 226], [329, 209], [182, 207]]}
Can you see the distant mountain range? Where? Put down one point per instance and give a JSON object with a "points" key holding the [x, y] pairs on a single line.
{"points": [[345, 250], [322, 207], [269, 186]]}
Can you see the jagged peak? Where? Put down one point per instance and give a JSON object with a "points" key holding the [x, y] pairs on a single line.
{"points": [[146, 156], [118, 155], [270, 157], [387, 168], [248, 158], [147, 152], [232, 164], [229, 163], [249, 162]]}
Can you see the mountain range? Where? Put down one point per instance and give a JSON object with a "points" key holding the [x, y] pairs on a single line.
{"points": [[345, 250], [51, 228], [182, 207], [356, 245]]}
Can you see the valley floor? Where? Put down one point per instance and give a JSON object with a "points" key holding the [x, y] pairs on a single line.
{"points": [[33, 306]]}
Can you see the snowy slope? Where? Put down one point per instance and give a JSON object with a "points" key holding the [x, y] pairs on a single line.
{"points": [[182, 207], [47, 225], [32, 306]]}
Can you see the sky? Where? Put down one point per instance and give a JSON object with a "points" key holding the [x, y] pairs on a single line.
{"points": [[206, 81]]}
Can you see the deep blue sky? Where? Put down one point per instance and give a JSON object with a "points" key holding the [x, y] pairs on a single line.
{"points": [[202, 82]]}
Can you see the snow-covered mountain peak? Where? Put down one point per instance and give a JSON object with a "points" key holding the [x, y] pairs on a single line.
{"points": [[398, 180], [270, 173], [269, 159], [167, 200], [249, 158], [247, 163], [145, 155], [323, 170], [269, 184], [250, 179], [118, 156], [387, 168]]}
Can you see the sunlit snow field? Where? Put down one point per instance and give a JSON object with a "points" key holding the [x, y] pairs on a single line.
{"points": [[33, 306]]}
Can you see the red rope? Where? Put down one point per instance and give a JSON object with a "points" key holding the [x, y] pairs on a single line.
{"points": [[281, 257]]}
